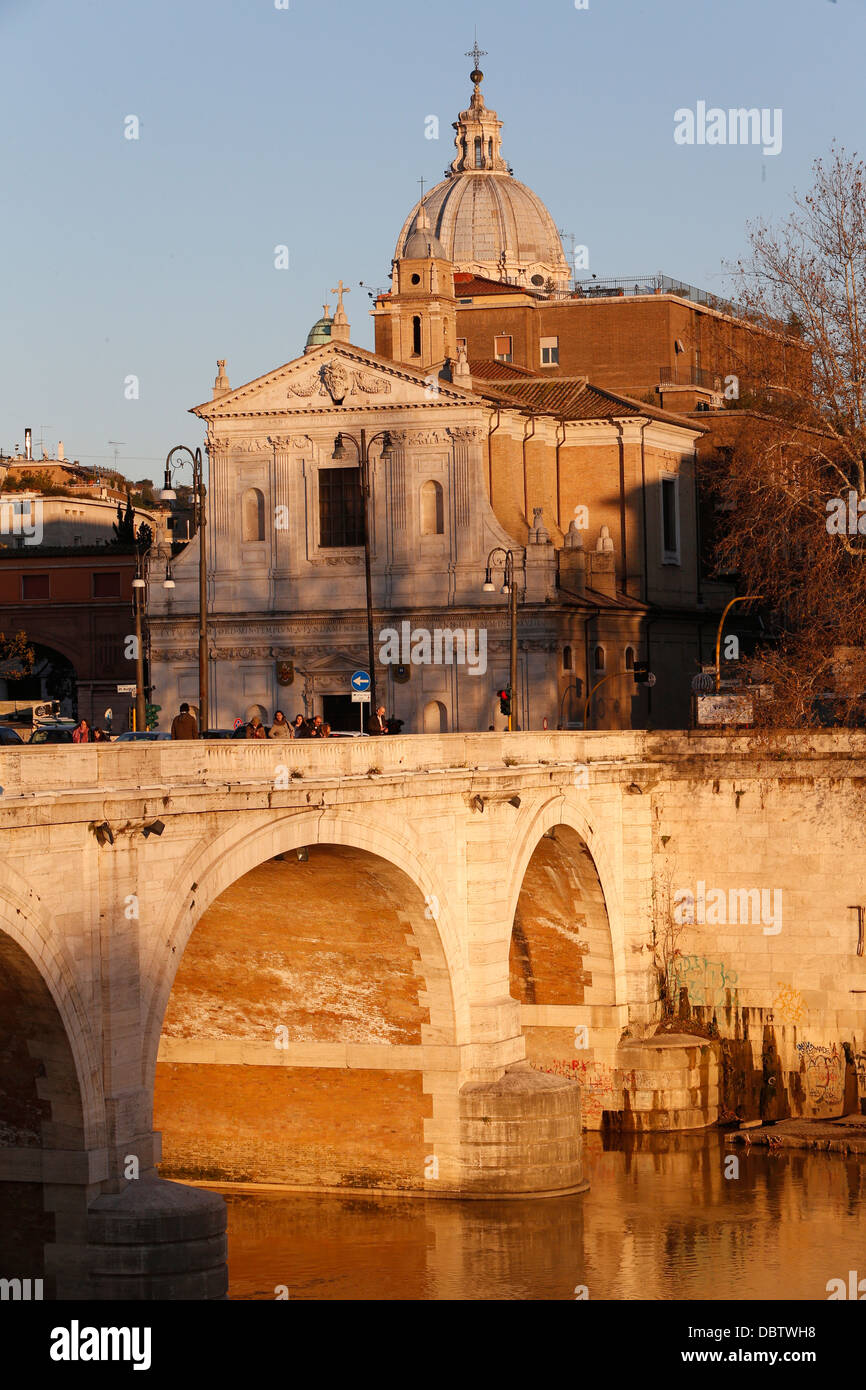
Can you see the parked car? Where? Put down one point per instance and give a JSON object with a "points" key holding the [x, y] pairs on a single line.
{"points": [[142, 736], [51, 733], [9, 736], [224, 733], [20, 716]]}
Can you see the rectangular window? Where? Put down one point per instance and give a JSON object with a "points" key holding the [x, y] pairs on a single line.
{"points": [[106, 584], [340, 519], [502, 347], [108, 654], [549, 352], [35, 586], [670, 501], [461, 343]]}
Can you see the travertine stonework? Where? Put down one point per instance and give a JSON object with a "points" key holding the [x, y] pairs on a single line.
{"points": [[111, 856]]}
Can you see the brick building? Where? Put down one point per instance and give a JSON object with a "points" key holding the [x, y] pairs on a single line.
{"points": [[75, 605]]}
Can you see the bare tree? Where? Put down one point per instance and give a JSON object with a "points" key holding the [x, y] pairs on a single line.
{"points": [[796, 447]]}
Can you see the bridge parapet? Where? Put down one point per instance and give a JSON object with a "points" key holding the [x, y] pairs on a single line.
{"points": [[58, 769]]}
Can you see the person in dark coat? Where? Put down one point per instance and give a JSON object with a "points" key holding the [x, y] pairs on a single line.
{"points": [[183, 725], [377, 724]]}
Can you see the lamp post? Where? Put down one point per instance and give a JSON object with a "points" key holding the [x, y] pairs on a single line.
{"points": [[169, 495], [139, 602], [509, 587], [746, 598], [362, 446]]}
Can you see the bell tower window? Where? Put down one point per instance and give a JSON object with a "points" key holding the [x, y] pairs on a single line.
{"points": [[416, 335]]}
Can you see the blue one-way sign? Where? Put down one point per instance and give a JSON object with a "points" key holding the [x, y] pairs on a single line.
{"points": [[360, 680]]}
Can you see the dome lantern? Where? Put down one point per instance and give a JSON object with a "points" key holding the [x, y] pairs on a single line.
{"points": [[481, 218]]}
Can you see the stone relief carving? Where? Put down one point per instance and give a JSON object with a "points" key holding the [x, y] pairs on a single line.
{"points": [[372, 385], [333, 378], [429, 437], [310, 386], [466, 434], [180, 654], [217, 443], [336, 380], [280, 441]]}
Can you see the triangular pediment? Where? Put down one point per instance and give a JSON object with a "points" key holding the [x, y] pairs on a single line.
{"points": [[332, 376]]}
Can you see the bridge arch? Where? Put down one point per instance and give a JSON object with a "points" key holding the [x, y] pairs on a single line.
{"points": [[37, 962], [568, 811], [213, 867], [566, 957]]}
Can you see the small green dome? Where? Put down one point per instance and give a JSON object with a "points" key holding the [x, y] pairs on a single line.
{"points": [[319, 333]]}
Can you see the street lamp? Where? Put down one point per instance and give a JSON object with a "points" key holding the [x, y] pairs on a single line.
{"points": [[143, 562], [509, 587], [746, 598], [362, 447], [169, 495]]}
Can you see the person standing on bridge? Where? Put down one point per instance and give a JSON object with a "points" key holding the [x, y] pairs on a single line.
{"points": [[183, 725], [81, 733], [377, 724], [281, 728]]}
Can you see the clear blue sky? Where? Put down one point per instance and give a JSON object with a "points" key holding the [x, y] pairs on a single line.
{"points": [[305, 127]]}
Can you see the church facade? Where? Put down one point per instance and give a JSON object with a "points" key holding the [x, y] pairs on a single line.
{"points": [[592, 494]]}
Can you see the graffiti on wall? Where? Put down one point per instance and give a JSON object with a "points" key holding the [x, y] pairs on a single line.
{"points": [[788, 1004], [709, 982], [860, 1069], [601, 1085], [823, 1070]]}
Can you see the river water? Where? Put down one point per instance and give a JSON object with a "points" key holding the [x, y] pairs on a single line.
{"points": [[660, 1221]]}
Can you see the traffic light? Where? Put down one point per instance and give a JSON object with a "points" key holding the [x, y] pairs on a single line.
{"points": [[151, 716], [505, 700], [641, 671]]}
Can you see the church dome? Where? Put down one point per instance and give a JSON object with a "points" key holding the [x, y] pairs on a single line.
{"points": [[321, 330], [421, 243], [488, 223]]}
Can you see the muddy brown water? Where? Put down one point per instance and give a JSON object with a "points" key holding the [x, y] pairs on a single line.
{"points": [[660, 1221]]}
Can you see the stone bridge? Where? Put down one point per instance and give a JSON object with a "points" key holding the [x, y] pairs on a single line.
{"points": [[548, 893]]}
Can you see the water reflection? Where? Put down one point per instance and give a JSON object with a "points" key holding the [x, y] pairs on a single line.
{"points": [[661, 1221]]}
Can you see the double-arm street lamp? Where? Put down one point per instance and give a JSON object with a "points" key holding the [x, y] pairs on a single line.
{"points": [[509, 587], [143, 561], [169, 495], [362, 447]]}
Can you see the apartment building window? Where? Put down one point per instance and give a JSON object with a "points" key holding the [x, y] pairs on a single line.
{"points": [[502, 347], [461, 342], [567, 660], [599, 659], [550, 352], [629, 658], [106, 584], [35, 586], [670, 518], [340, 519]]}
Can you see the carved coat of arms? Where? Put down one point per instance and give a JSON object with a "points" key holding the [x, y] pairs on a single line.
{"points": [[336, 381]]}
